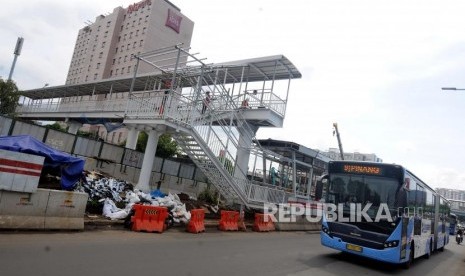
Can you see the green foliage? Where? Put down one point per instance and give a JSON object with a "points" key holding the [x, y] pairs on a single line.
{"points": [[85, 134], [166, 147], [208, 196], [9, 96], [56, 126], [142, 141]]}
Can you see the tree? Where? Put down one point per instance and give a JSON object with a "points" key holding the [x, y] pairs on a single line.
{"points": [[166, 147], [9, 96]]}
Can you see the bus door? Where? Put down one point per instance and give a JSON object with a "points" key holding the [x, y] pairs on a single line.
{"points": [[404, 214]]}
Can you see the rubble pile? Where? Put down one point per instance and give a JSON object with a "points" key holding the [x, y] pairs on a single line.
{"points": [[113, 193]]}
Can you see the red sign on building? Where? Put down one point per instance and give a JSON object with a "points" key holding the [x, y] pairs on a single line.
{"points": [[173, 21]]}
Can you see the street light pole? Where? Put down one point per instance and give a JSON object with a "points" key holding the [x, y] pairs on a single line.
{"points": [[452, 88]]}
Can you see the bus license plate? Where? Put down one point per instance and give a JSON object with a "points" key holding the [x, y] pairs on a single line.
{"points": [[354, 247]]}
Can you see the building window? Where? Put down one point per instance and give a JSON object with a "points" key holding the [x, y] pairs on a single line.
{"points": [[130, 35], [108, 24], [98, 66], [146, 18], [129, 69], [125, 58], [116, 72], [100, 55], [122, 70], [119, 60], [133, 23], [106, 34], [103, 44], [111, 73], [113, 63], [143, 30], [116, 51], [125, 35], [134, 45], [122, 27], [95, 76], [140, 20], [141, 43], [137, 32], [119, 38], [129, 46]]}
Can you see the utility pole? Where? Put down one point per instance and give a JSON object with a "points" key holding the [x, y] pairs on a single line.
{"points": [[336, 131], [17, 52]]}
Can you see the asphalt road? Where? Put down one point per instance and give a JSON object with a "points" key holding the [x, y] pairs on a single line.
{"points": [[119, 252]]}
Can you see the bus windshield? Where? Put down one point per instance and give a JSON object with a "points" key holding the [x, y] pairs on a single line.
{"points": [[363, 189]]}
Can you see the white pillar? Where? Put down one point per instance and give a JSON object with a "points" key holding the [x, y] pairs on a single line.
{"points": [[147, 164], [133, 134], [243, 151], [74, 127]]}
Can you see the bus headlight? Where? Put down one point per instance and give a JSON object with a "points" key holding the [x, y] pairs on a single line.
{"points": [[326, 230], [390, 244]]}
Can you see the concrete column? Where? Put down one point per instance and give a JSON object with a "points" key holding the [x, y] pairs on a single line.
{"points": [[147, 164], [243, 152], [74, 127], [133, 134]]}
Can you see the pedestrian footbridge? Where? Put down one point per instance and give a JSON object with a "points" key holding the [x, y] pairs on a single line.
{"points": [[220, 138]]}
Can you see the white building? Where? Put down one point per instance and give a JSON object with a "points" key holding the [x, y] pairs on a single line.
{"points": [[105, 48], [452, 194], [334, 154]]}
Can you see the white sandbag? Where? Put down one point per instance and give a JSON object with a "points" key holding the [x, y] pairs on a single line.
{"points": [[121, 214]]}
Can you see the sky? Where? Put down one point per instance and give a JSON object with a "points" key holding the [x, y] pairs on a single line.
{"points": [[376, 68]]}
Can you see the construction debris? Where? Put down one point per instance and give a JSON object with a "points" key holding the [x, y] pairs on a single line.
{"points": [[113, 193]]}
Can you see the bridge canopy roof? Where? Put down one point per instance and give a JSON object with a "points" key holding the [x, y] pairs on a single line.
{"points": [[269, 68]]}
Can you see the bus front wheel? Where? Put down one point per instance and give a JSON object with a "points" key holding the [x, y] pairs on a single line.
{"points": [[409, 263]]}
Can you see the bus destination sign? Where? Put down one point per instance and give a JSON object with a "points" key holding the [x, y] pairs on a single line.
{"points": [[362, 169]]}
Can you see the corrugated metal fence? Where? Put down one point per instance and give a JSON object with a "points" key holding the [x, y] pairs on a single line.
{"points": [[117, 161]]}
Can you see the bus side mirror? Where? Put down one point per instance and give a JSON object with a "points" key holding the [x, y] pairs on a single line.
{"points": [[319, 187]]}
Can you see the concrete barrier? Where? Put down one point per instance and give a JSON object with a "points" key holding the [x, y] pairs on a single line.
{"points": [[44, 209], [65, 210], [23, 210]]}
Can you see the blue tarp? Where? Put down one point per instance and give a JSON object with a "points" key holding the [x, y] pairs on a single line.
{"points": [[71, 167]]}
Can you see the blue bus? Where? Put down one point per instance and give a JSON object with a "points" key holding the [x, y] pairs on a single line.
{"points": [[382, 211]]}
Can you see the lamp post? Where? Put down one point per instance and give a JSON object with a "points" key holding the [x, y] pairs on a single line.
{"points": [[452, 88]]}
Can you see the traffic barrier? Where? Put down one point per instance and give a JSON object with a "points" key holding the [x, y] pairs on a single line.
{"points": [[149, 218], [65, 210], [229, 221], [196, 224], [263, 223]]}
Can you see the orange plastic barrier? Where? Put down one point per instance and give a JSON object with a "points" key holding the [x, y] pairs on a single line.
{"points": [[149, 218], [196, 224], [229, 220], [263, 223]]}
